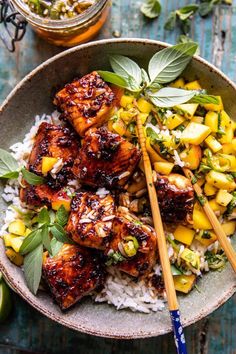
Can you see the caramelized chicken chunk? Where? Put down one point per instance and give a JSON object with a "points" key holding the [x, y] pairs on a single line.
{"points": [[126, 229], [105, 159], [72, 274], [51, 141], [90, 219], [86, 102], [175, 196]]}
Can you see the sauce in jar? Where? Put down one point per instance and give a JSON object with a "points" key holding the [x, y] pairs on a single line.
{"points": [[67, 29]]}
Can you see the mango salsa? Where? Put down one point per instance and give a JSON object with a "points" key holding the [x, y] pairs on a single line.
{"points": [[229, 227], [48, 163], [184, 283], [221, 180], [211, 120], [163, 168], [144, 106], [186, 109], [174, 121], [125, 100], [223, 197], [191, 156], [214, 107], [193, 85], [200, 220], [17, 227], [213, 144]]}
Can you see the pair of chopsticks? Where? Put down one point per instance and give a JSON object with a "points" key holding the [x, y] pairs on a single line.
{"points": [[161, 241]]}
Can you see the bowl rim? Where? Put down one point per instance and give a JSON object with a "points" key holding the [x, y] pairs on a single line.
{"points": [[58, 318]]}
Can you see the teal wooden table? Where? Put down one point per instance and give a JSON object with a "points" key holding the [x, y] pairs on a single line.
{"points": [[29, 331]]}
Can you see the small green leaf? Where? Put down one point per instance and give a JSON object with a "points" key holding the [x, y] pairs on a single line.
{"points": [[151, 8], [113, 78], [205, 8], [43, 216], [126, 68], [167, 64], [46, 239], [32, 178], [55, 246], [185, 12], [186, 39], [8, 165], [169, 97], [145, 77], [31, 242], [175, 270], [59, 233], [62, 216], [33, 268], [171, 21]]}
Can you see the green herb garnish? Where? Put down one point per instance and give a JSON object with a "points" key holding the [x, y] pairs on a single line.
{"points": [[151, 8]]}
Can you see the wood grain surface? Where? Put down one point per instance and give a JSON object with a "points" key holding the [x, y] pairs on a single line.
{"points": [[27, 331]]}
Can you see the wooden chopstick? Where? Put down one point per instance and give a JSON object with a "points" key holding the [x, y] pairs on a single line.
{"points": [[217, 227], [162, 247]]}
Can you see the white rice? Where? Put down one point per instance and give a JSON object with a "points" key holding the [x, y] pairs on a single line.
{"points": [[177, 159]]}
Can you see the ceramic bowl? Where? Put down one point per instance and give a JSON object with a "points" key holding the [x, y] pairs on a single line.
{"points": [[33, 95]]}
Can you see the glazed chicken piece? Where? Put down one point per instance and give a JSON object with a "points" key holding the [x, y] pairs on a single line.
{"points": [[126, 230], [86, 102], [90, 219], [175, 196], [72, 274], [51, 141], [105, 159]]}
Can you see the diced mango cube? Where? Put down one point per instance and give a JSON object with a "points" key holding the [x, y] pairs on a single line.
{"points": [[195, 133], [211, 120], [229, 227], [190, 257], [193, 85], [7, 240], [144, 106], [174, 121], [179, 83], [197, 119], [209, 190], [163, 168], [200, 220], [206, 238], [16, 243], [14, 257], [232, 161], [225, 120], [119, 127], [27, 232], [228, 148], [227, 137], [184, 283], [214, 107], [191, 156], [125, 100], [216, 207], [221, 180], [57, 203], [184, 234], [186, 109], [223, 197], [234, 143], [213, 144], [48, 163], [17, 227]]}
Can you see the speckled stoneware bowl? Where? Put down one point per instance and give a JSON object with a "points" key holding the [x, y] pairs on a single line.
{"points": [[33, 96]]}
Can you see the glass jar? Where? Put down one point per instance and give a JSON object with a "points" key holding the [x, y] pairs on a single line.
{"points": [[69, 32]]}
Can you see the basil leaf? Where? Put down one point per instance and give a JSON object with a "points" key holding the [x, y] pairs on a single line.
{"points": [[8, 165], [169, 97], [205, 8], [55, 246], [186, 39], [203, 99], [33, 268], [62, 216], [32, 178], [31, 242], [43, 217], [185, 12], [186, 26], [59, 233], [46, 239], [151, 8], [126, 68], [171, 21], [113, 78], [169, 63]]}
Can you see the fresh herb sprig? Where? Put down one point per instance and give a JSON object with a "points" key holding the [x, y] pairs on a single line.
{"points": [[9, 169], [164, 67], [48, 234]]}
